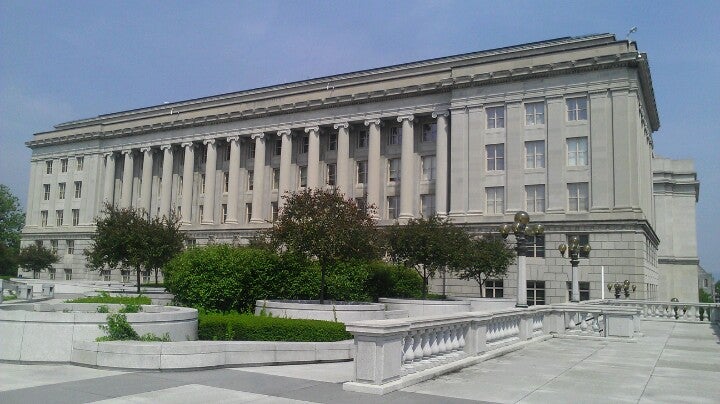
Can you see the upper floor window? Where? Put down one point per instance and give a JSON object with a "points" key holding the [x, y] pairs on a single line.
{"points": [[429, 132], [535, 246], [75, 217], [70, 247], [274, 211], [395, 136], [54, 246], [248, 212], [78, 189], [46, 192], [303, 176], [304, 144], [535, 198], [577, 151], [331, 174], [276, 178], [332, 141], [250, 180], [43, 218], [63, 165], [427, 202], [226, 152], [361, 172], [362, 139], [277, 150], [251, 150], [428, 167], [79, 163], [223, 213], [577, 109], [495, 117], [393, 170], [59, 217], [578, 197], [495, 197], [495, 157], [202, 183], [535, 154], [48, 167], [226, 182], [393, 207], [61, 190], [534, 113]]}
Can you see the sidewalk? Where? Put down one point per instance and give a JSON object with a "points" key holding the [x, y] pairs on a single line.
{"points": [[673, 362]]}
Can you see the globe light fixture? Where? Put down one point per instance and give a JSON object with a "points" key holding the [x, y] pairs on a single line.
{"points": [[573, 248], [522, 230]]}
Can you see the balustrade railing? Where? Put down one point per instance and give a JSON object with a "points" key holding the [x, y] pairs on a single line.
{"points": [[682, 311]]}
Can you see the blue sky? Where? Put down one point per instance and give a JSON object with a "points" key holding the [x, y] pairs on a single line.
{"points": [[65, 60]]}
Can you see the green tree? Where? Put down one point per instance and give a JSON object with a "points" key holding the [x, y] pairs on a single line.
{"points": [[323, 226], [428, 245], [486, 257], [717, 288], [704, 297], [127, 238], [11, 221], [36, 258]]}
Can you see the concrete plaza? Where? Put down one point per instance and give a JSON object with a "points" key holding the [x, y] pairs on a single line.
{"points": [[673, 362]]}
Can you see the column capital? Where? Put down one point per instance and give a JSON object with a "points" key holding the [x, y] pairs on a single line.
{"points": [[444, 113], [284, 132], [187, 144], [375, 121], [109, 154], [209, 141], [233, 138], [145, 149], [343, 125], [127, 152], [166, 147], [312, 129], [257, 135], [405, 117]]}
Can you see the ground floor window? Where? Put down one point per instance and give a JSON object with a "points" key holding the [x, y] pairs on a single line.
{"points": [[146, 277], [68, 274], [494, 288], [535, 293], [125, 275], [584, 290], [106, 275], [51, 273]]}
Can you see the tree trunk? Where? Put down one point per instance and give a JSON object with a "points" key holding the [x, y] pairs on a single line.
{"points": [[156, 276], [137, 271], [322, 284], [425, 286]]}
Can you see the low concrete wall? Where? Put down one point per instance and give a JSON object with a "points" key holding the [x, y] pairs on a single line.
{"points": [[420, 308], [46, 332], [204, 354], [331, 311], [489, 304]]}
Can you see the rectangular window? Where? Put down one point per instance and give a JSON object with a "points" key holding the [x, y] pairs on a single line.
{"points": [[277, 150], [59, 217], [223, 214], [494, 288], [535, 293], [274, 211], [251, 150], [361, 203], [362, 139], [226, 149], [61, 190], [392, 207], [578, 197], [43, 218], [495, 200], [577, 109], [577, 151], [48, 167], [535, 246], [250, 177], [248, 212], [395, 136], [361, 172], [180, 186], [46, 192], [54, 246], [331, 174], [332, 141], [302, 176], [393, 170], [106, 274], [75, 217], [79, 163], [304, 144], [51, 273], [429, 132], [427, 202], [535, 154], [584, 240], [584, 290], [495, 157], [202, 184], [534, 113], [125, 274], [146, 276], [68, 274], [429, 164], [201, 156], [535, 198], [63, 165], [78, 189], [201, 213], [495, 117], [70, 247], [276, 178], [226, 182]]}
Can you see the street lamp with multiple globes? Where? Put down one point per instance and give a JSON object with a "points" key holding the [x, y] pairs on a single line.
{"points": [[574, 248], [521, 229]]}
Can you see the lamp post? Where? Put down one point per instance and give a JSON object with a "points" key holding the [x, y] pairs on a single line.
{"points": [[622, 287], [574, 248], [521, 228]]}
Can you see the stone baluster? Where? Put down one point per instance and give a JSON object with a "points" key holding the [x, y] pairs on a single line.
{"points": [[408, 349], [233, 179], [417, 345], [166, 182]]}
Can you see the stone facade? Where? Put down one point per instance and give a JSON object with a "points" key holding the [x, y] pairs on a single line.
{"points": [[560, 128]]}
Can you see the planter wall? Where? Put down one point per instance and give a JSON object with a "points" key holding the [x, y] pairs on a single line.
{"points": [[343, 312], [419, 308]]}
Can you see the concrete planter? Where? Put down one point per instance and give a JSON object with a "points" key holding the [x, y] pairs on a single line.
{"points": [[490, 304], [343, 312], [419, 308], [46, 332]]}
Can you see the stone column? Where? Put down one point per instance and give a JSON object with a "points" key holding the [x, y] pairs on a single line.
{"points": [[146, 186], [407, 167], [166, 183], [258, 199], [343, 158], [441, 158], [313, 156], [210, 167], [233, 179], [127, 181], [373, 180], [109, 190], [187, 186], [285, 165]]}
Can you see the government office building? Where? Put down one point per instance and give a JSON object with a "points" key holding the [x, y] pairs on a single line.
{"points": [[559, 128]]}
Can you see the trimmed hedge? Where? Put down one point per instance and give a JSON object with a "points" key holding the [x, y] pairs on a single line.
{"points": [[105, 298], [246, 327]]}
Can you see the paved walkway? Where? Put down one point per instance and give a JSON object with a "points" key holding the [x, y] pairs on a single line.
{"points": [[673, 362]]}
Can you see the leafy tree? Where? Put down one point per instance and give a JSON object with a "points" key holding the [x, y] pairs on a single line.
{"points": [[11, 221], [323, 226], [704, 297], [717, 288], [36, 258], [486, 257], [127, 238], [427, 245]]}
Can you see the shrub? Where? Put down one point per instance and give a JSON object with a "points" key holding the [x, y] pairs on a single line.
{"points": [[103, 308], [105, 298], [130, 308], [246, 327], [119, 329]]}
